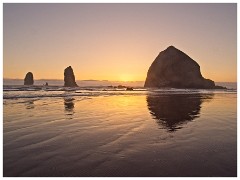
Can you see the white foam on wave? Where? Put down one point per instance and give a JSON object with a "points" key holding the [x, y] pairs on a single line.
{"points": [[16, 92]]}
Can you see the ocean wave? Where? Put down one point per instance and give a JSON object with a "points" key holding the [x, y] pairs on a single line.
{"points": [[13, 92]]}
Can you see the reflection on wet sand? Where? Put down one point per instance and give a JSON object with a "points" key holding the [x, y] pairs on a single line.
{"points": [[172, 110], [69, 105], [30, 104]]}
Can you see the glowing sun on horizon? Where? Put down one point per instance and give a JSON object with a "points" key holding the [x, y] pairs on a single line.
{"points": [[125, 77]]}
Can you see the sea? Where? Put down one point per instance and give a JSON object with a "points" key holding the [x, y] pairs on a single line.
{"points": [[100, 129]]}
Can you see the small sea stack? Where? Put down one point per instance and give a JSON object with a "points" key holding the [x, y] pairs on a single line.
{"points": [[69, 78], [129, 89], [28, 80], [173, 68]]}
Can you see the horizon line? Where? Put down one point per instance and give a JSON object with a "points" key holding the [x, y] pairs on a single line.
{"points": [[99, 80]]}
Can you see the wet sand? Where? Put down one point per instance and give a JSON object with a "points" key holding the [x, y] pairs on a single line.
{"points": [[165, 135]]}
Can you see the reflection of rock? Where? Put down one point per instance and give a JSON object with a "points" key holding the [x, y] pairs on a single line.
{"points": [[69, 78], [172, 110], [173, 68], [30, 104], [69, 104], [28, 80]]}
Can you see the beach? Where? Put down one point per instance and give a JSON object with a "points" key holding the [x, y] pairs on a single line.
{"points": [[108, 133]]}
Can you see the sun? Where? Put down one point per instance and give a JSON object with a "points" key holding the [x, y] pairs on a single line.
{"points": [[125, 77]]}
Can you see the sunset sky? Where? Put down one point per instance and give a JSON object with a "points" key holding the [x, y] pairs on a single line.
{"points": [[116, 41]]}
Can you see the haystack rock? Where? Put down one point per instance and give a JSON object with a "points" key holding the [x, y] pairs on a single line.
{"points": [[28, 80], [69, 78], [173, 68]]}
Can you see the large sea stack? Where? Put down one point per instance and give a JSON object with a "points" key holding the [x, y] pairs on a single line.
{"points": [[173, 68], [28, 80], [69, 78]]}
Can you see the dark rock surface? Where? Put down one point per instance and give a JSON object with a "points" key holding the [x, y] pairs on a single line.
{"points": [[28, 80], [173, 68], [69, 78], [129, 89], [121, 86]]}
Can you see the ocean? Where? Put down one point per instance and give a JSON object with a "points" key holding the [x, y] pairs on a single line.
{"points": [[96, 83], [96, 130]]}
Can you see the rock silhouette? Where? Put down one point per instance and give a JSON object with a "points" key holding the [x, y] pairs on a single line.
{"points": [[129, 89], [69, 78], [171, 111], [173, 68], [28, 80]]}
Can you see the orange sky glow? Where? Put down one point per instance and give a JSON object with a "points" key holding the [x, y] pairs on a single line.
{"points": [[116, 41]]}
